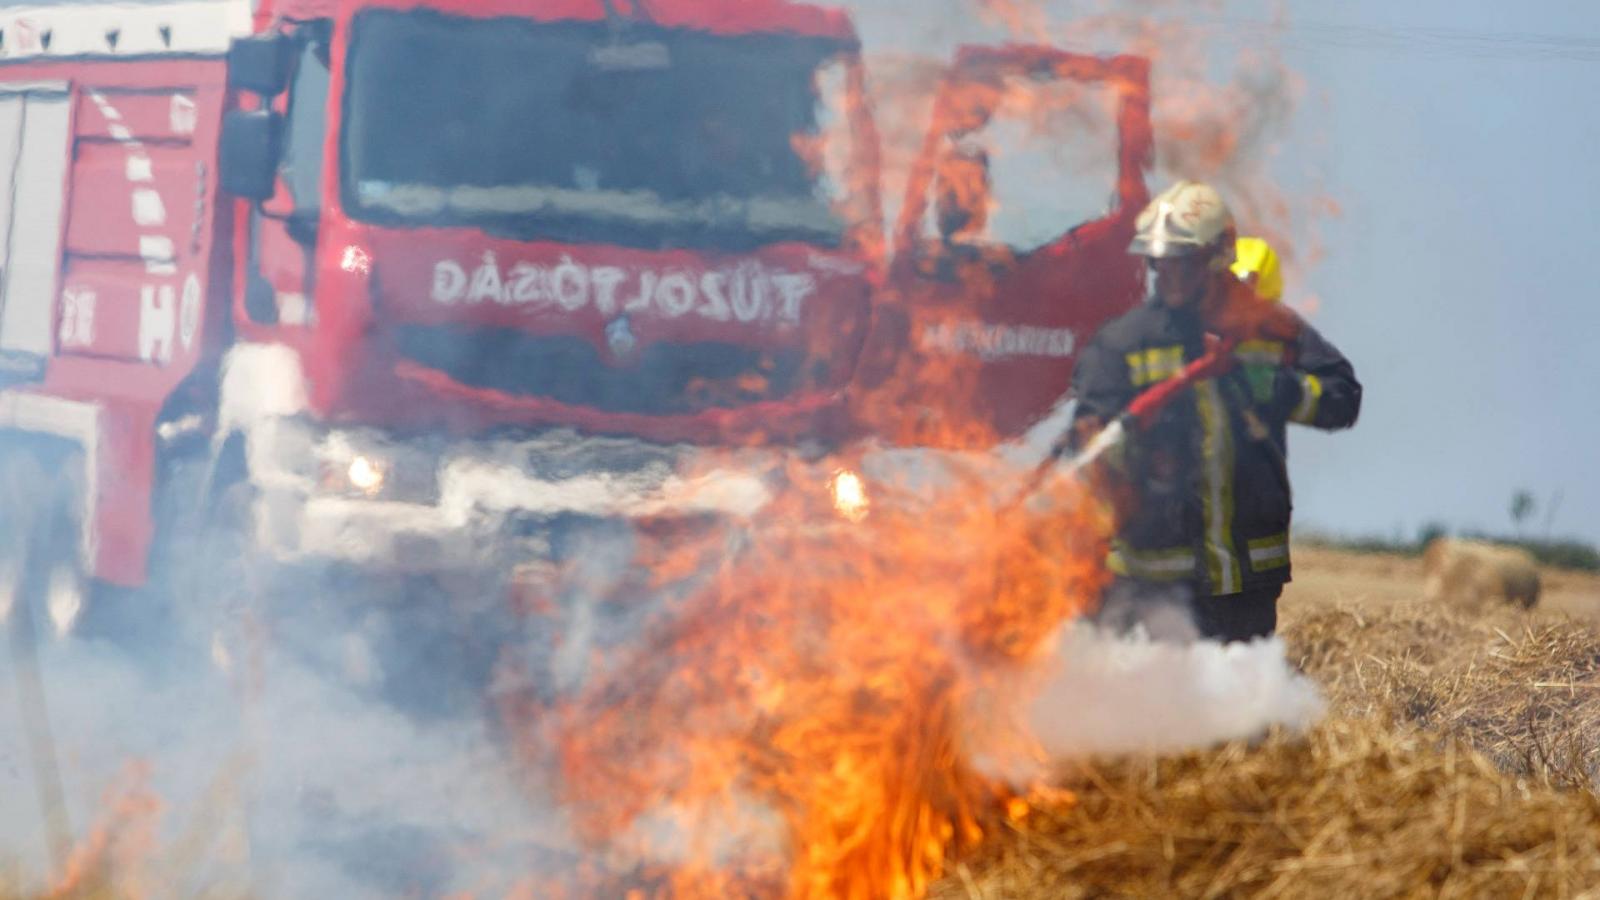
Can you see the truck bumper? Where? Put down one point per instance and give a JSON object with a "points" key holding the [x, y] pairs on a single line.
{"points": [[428, 507]]}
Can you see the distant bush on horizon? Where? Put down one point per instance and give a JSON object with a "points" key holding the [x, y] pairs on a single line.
{"points": [[1563, 553]]}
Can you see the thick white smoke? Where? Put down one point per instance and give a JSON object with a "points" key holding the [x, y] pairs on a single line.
{"points": [[1109, 694]]}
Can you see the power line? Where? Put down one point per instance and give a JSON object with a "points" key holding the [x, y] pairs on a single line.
{"points": [[1459, 43]]}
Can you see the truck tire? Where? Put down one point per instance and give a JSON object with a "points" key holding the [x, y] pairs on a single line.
{"points": [[218, 591], [43, 585], [203, 577]]}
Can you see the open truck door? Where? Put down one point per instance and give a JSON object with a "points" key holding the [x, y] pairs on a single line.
{"points": [[1011, 246]]}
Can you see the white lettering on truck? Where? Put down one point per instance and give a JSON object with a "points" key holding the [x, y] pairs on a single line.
{"points": [[991, 342], [158, 320], [189, 311], [183, 116], [77, 317], [749, 292]]}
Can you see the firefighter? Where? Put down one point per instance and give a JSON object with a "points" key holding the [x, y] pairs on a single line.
{"points": [[1201, 497]]}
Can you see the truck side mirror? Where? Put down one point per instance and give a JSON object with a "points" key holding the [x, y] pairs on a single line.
{"points": [[248, 155], [260, 63]]}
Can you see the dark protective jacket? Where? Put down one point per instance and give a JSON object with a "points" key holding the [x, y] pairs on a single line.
{"points": [[1203, 494]]}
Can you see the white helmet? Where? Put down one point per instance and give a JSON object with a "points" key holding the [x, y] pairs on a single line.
{"points": [[1188, 217]]}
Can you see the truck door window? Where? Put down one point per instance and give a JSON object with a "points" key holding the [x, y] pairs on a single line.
{"points": [[1042, 163], [283, 232], [307, 124]]}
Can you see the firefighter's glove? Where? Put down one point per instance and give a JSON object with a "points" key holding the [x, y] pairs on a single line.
{"points": [[1286, 392]]}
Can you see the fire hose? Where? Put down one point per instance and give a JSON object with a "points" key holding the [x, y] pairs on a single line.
{"points": [[1238, 313], [1139, 416]]}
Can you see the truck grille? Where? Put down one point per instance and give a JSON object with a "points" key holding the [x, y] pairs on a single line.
{"points": [[660, 379]]}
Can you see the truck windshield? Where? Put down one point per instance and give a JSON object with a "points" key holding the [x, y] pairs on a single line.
{"points": [[592, 132]]}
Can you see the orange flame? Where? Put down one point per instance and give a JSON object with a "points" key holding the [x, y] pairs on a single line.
{"points": [[798, 725], [119, 847]]}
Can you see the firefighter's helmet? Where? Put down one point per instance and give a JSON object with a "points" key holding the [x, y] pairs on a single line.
{"points": [[1184, 219], [1257, 264]]}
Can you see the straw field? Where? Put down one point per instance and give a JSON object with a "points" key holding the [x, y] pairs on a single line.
{"points": [[1459, 759]]}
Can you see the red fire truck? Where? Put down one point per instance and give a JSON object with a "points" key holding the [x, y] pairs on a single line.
{"points": [[415, 286]]}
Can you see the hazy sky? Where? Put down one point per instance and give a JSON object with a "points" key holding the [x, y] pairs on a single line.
{"points": [[1455, 278], [1459, 139]]}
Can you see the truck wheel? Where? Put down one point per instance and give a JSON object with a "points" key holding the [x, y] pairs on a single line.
{"points": [[43, 585], [219, 593]]}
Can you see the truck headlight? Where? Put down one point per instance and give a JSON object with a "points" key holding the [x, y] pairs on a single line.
{"points": [[397, 474], [366, 475]]}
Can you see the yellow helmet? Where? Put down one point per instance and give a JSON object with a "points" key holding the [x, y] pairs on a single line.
{"points": [[1257, 263]]}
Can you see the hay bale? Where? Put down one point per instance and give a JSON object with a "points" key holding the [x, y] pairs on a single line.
{"points": [[1476, 573]]}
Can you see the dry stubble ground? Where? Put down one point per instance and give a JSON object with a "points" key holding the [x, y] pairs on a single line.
{"points": [[1459, 759]]}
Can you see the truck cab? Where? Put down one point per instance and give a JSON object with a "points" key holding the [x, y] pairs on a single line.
{"points": [[478, 237]]}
